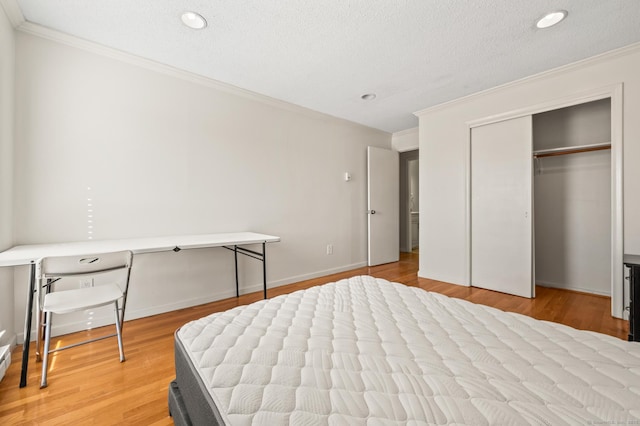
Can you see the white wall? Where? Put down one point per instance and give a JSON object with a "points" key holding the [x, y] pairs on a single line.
{"points": [[161, 153], [7, 64], [444, 133]]}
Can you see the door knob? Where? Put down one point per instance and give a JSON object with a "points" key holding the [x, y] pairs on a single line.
{"points": [[372, 211]]}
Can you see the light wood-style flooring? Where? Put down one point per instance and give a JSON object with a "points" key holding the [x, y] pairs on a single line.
{"points": [[88, 386]]}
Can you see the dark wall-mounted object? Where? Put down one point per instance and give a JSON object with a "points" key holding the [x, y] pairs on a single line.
{"points": [[633, 263]]}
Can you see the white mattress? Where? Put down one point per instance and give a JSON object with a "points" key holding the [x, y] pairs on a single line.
{"points": [[367, 351]]}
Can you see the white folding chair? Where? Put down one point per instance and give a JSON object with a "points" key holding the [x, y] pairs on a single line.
{"points": [[50, 301]]}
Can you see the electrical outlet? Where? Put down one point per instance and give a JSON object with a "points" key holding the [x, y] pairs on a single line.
{"points": [[86, 282], [329, 248]]}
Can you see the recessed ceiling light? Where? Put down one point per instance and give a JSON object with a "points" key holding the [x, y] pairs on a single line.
{"points": [[368, 96], [551, 19], [194, 20]]}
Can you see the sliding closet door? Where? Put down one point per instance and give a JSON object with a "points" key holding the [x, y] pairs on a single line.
{"points": [[501, 207]]}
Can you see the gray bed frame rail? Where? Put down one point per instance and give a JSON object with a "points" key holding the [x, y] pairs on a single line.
{"points": [[189, 400]]}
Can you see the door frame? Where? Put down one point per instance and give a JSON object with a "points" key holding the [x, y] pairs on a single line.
{"points": [[615, 92], [405, 215]]}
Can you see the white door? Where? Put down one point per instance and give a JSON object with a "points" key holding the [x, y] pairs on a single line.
{"points": [[502, 207], [383, 196]]}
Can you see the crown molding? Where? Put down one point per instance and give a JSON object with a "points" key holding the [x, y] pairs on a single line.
{"points": [[593, 60], [406, 140], [118, 55], [13, 12], [406, 132]]}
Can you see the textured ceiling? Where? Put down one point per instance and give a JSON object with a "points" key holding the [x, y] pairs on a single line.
{"points": [[325, 54]]}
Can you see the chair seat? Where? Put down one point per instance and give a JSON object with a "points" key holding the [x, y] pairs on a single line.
{"points": [[67, 301]]}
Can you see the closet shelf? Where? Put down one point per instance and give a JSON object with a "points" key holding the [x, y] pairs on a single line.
{"points": [[571, 150]]}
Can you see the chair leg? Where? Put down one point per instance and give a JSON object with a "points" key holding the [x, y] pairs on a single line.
{"points": [[39, 321], [119, 332], [39, 332], [45, 351]]}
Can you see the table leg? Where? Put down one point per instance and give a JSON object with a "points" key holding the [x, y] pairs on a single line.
{"points": [[264, 268], [256, 255], [235, 256], [27, 327]]}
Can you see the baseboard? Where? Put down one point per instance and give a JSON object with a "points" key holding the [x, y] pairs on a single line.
{"points": [[317, 274], [13, 342], [132, 314], [182, 304], [570, 287], [441, 278]]}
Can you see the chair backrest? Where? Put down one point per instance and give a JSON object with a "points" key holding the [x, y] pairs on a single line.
{"points": [[91, 264]]}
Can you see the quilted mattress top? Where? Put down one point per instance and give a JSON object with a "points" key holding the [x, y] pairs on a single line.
{"points": [[367, 351]]}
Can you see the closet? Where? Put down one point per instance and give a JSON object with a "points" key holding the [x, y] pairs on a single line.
{"points": [[544, 204], [572, 197]]}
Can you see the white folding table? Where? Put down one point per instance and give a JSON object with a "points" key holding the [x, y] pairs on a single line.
{"points": [[30, 254]]}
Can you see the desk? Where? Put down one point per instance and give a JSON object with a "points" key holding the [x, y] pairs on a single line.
{"points": [[30, 254]]}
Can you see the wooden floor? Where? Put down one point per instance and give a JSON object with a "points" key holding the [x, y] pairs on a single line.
{"points": [[87, 385]]}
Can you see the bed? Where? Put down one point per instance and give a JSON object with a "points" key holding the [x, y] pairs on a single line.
{"points": [[367, 351]]}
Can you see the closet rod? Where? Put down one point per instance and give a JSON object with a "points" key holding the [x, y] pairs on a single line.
{"points": [[571, 150]]}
